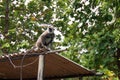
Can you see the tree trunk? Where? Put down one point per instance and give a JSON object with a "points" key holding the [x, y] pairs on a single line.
{"points": [[118, 62], [6, 18], [6, 24]]}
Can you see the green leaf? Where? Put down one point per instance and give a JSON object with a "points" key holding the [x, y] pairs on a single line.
{"points": [[6, 45]]}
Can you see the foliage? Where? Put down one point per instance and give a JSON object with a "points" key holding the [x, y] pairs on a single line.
{"points": [[91, 29]]}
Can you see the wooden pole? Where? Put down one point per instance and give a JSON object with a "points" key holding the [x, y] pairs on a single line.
{"points": [[41, 67]]}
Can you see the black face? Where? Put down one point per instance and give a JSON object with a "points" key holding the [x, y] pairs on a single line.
{"points": [[51, 29]]}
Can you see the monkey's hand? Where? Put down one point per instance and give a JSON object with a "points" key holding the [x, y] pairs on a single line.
{"points": [[46, 48], [49, 49]]}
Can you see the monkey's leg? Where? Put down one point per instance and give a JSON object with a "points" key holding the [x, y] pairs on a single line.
{"points": [[50, 47], [45, 47]]}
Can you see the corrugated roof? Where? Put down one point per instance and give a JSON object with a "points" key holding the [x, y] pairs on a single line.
{"points": [[56, 66]]}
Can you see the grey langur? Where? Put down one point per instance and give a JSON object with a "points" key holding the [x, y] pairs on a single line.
{"points": [[46, 38]]}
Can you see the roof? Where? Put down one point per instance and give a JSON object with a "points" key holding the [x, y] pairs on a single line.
{"points": [[56, 66]]}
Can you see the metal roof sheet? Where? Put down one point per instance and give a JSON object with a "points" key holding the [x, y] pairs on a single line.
{"points": [[56, 66]]}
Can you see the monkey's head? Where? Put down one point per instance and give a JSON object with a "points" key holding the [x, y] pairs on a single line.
{"points": [[50, 29]]}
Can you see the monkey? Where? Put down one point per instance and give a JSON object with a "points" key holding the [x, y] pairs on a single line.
{"points": [[45, 39]]}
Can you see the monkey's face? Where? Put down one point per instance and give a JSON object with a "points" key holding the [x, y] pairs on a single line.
{"points": [[51, 29]]}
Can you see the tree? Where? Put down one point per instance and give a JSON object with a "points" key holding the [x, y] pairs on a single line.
{"points": [[97, 24], [90, 27]]}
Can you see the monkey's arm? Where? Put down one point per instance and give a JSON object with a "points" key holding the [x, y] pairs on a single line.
{"points": [[43, 42], [49, 38]]}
